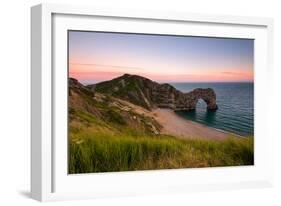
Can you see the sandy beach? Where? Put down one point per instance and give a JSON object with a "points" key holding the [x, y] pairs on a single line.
{"points": [[177, 126], [180, 127]]}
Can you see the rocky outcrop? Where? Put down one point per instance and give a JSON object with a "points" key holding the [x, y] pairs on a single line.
{"points": [[149, 94], [191, 99]]}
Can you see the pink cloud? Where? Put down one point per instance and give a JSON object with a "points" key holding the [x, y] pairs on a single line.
{"points": [[97, 73]]}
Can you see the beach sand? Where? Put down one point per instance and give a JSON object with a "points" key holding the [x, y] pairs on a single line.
{"points": [[180, 127], [177, 126]]}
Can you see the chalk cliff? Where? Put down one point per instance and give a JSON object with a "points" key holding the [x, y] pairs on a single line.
{"points": [[149, 94]]}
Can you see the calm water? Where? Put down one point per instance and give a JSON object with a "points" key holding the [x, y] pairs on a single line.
{"points": [[235, 102]]}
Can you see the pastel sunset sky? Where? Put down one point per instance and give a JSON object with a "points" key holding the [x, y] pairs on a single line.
{"points": [[99, 56]]}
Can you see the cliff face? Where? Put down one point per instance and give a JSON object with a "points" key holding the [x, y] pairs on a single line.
{"points": [[149, 94], [103, 112]]}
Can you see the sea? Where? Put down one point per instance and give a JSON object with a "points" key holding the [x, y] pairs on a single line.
{"points": [[235, 102]]}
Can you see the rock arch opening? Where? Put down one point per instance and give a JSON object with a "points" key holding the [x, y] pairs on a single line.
{"points": [[201, 103], [207, 95]]}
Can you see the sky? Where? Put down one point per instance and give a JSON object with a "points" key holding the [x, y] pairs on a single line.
{"points": [[101, 56]]}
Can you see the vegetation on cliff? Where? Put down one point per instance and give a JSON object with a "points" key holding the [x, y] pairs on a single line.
{"points": [[149, 94], [107, 133]]}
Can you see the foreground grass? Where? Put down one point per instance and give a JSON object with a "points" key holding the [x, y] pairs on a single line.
{"points": [[96, 150]]}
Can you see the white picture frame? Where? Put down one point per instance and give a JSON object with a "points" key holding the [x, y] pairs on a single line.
{"points": [[49, 178]]}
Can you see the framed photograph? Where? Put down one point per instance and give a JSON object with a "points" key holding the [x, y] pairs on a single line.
{"points": [[137, 102]]}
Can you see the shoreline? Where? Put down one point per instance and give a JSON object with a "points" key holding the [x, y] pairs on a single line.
{"points": [[180, 127]]}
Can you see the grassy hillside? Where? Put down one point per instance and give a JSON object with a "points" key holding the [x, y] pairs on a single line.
{"points": [[107, 134], [129, 87], [101, 147]]}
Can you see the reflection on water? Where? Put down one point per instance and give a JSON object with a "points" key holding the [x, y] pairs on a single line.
{"points": [[201, 114], [210, 116], [207, 116]]}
